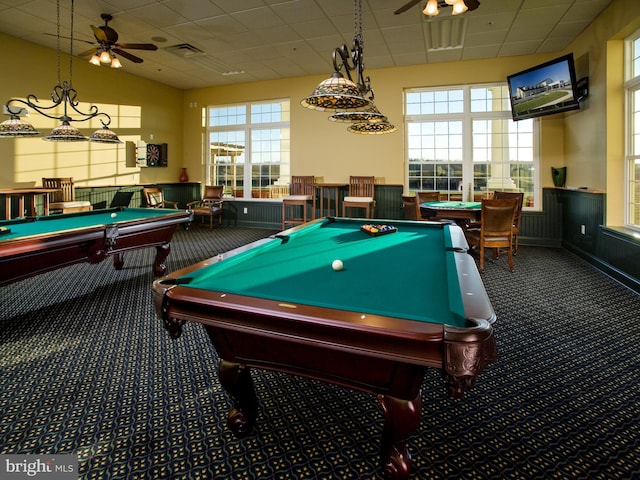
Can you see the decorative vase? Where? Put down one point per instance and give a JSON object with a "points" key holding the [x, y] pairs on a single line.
{"points": [[183, 175], [559, 176]]}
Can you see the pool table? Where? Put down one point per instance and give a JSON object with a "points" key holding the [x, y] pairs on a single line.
{"points": [[403, 302], [33, 245]]}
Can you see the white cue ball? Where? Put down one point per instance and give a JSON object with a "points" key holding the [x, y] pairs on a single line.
{"points": [[337, 265], [114, 215]]}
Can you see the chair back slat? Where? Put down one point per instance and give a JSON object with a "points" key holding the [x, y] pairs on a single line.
{"points": [[302, 185], [361, 186], [64, 185]]}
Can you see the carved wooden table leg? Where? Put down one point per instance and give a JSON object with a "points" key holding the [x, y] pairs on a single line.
{"points": [[162, 252], [118, 260], [236, 380], [401, 418]]}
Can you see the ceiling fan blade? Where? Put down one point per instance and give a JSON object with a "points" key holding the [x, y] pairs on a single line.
{"points": [[99, 34], [69, 38], [471, 4], [137, 46], [406, 6], [127, 55], [87, 53]]}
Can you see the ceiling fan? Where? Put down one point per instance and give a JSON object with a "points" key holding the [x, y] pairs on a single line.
{"points": [[469, 4], [108, 46]]}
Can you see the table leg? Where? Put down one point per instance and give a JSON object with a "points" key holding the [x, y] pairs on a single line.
{"points": [[236, 380], [21, 205], [7, 207], [45, 202], [118, 260], [401, 418], [162, 252], [32, 205]]}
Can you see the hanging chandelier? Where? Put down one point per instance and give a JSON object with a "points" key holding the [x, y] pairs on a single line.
{"points": [[352, 101], [64, 96]]}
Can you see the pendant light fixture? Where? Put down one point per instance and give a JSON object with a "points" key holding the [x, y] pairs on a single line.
{"points": [[64, 96], [352, 101]]}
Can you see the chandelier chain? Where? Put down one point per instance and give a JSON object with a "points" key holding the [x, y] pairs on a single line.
{"points": [[58, 36], [71, 46], [357, 20]]}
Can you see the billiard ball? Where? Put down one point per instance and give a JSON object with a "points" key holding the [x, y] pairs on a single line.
{"points": [[114, 215], [337, 265]]}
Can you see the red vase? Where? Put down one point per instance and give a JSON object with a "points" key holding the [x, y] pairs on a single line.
{"points": [[183, 175]]}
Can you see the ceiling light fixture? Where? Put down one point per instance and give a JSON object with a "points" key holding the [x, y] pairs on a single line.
{"points": [[459, 6], [352, 101], [65, 96]]}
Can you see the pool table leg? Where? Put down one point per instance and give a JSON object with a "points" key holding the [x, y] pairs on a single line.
{"points": [[118, 261], [236, 380], [162, 252], [401, 418]]}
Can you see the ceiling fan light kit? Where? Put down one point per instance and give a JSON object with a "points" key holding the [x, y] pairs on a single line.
{"points": [[432, 7], [105, 52]]}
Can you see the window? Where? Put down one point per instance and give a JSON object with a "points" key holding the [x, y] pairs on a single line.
{"points": [[249, 148], [462, 142], [632, 161]]}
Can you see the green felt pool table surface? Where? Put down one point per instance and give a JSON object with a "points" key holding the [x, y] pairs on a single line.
{"points": [[408, 274], [58, 223]]}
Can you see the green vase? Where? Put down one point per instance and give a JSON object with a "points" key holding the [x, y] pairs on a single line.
{"points": [[559, 176]]}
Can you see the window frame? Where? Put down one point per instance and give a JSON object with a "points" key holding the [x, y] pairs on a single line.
{"points": [[249, 128], [467, 117], [631, 128]]}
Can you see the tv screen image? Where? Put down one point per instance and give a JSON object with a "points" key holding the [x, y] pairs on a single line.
{"points": [[544, 89]]}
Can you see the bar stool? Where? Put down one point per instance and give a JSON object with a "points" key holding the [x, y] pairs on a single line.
{"points": [[301, 194]]}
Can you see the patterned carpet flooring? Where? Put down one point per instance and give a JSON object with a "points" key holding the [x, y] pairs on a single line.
{"points": [[87, 368]]}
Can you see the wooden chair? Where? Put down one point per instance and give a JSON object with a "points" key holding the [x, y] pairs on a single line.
{"points": [[428, 196], [63, 201], [154, 198], [519, 197], [301, 194], [361, 195], [210, 206], [496, 229], [411, 208]]}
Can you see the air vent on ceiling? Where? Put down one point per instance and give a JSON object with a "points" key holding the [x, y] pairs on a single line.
{"points": [[445, 33], [195, 55], [185, 50]]}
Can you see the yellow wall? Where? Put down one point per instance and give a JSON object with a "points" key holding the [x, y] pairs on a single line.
{"points": [[594, 136], [325, 149], [138, 107]]}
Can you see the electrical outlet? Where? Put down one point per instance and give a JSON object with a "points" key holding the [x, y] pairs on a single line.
{"points": [[583, 230], [246, 210]]}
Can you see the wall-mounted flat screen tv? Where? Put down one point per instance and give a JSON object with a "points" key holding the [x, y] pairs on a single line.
{"points": [[544, 89]]}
